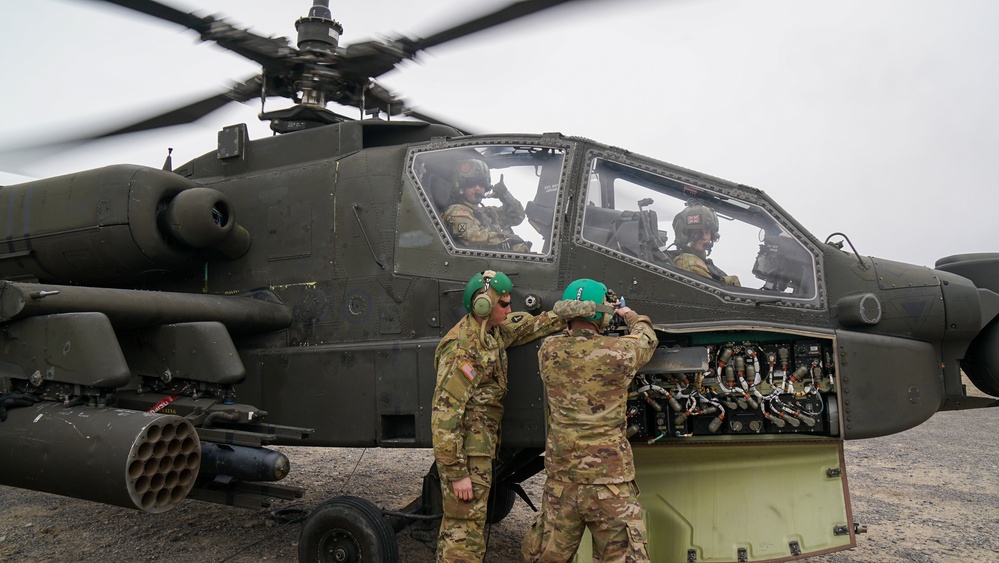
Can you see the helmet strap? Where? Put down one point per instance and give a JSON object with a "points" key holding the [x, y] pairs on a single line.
{"points": [[482, 331]]}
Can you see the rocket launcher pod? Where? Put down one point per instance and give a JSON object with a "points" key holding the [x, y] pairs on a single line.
{"points": [[121, 457]]}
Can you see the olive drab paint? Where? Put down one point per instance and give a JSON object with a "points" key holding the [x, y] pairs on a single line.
{"points": [[293, 289]]}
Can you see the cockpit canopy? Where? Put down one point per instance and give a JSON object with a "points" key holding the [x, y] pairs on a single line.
{"points": [[630, 212], [623, 207], [531, 175]]}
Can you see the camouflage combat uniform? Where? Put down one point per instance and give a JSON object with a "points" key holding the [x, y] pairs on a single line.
{"points": [[466, 415], [694, 263], [588, 458], [488, 227]]}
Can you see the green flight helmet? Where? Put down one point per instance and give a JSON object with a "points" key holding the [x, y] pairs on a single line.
{"points": [[587, 290], [694, 217], [472, 172], [477, 299]]}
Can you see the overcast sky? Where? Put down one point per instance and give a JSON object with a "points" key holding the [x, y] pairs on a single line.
{"points": [[875, 119]]}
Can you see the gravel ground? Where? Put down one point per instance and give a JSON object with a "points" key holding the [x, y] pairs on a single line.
{"points": [[930, 494]]}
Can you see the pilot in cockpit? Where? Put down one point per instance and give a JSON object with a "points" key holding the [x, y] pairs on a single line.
{"points": [[479, 226], [696, 229]]}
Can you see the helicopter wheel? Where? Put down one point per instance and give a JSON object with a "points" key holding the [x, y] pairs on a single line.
{"points": [[347, 530], [501, 501]]}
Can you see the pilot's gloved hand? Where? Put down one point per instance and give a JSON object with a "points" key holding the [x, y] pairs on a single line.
{"points": [[568, 309], [731, 280], [518, 244], [499, 188]]}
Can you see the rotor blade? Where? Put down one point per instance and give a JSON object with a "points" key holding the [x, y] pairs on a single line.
{"points": [[509, 13], [14, 157], [270, 52], [191, 112], [377, 96], [375, 58], [164, 12]]}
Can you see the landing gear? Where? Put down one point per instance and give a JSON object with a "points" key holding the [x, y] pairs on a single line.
{"points": [[347, 530], [501, 501]]}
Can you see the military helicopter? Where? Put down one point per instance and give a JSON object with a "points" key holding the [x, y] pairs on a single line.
{"points": [[167, 325]]}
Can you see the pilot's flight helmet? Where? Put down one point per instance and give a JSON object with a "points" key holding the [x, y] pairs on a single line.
{"points": [[478, 299], [587, 290], [472, 172], [694, 217]]}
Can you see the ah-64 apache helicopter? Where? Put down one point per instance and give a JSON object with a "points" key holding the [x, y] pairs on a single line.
{"points": [[161, 328]]}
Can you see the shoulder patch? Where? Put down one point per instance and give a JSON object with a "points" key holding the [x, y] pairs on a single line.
{"points": [[469, 371], [459, 211], [517, 317]]}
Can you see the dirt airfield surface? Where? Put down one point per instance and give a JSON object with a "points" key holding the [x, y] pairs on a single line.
{"points": [[930, 494]]}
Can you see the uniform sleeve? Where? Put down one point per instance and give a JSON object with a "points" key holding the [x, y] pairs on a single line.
{"points": [[456, 375], [642, 338], [511, 213], [692, 263], [470, 230], [521, 328]]}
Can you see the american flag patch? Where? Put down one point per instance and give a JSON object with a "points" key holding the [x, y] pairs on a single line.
{"points": [[468, 371], [693, 219]]}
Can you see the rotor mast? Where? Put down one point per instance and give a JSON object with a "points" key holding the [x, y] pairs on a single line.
{"points": [[318, 33]]}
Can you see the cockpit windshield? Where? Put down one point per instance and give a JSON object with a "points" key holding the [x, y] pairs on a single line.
{"points": [[494, 198], [700, 234]]}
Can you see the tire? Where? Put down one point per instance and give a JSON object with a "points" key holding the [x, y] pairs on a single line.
{"points": [[347, 530], [501, 501]]}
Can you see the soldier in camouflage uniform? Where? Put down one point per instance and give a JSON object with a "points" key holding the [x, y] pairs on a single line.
{"points": [[476, 225], [591, 473], [471, 364], [696, 229]]}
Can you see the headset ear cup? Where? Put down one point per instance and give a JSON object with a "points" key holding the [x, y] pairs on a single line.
{"points": [[482, 304]]}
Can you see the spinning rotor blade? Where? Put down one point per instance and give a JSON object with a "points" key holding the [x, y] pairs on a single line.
{"points": [[12, 158], [512, 12], [374, 58], [270, 52], [164, 12], [192, 112], [310, 75], [359, 61]]}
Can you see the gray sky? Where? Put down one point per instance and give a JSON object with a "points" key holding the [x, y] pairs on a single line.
{"points": [[876, 119]]}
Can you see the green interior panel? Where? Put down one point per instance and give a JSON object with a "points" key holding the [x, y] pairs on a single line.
{"points": [[771, 501]]}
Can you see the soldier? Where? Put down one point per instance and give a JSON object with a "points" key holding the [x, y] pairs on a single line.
{"points": [[591, 473], [471, 364], [479, 226], [696, 229]]}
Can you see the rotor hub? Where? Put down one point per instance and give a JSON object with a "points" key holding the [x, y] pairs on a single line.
{"points": [[319, 31]]}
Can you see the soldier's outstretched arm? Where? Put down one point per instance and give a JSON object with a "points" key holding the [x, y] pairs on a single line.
{"points": [[521, 328]]}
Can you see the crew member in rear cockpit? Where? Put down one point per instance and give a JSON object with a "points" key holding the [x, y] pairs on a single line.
{"points": [[696, 229], [478, 226]]}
